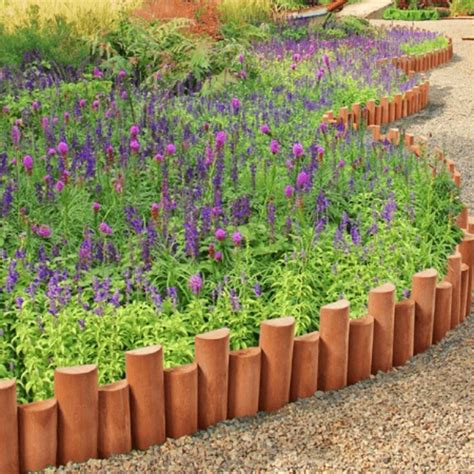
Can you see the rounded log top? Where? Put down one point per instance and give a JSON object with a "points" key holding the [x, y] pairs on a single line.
{"points": [[182, 369], [464, 267], [279, 322], [114, 387], [144, 351], [76, 370], [341, 304], [40, 405], [444, 285], [214, 335], [310, 337], [455, 256], [467, 235], [245, 353], [367, 320], [385, 288], [7, 383], [430, 273], [406, 302]]}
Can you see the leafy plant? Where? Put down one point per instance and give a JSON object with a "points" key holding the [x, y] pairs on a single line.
{"points": [[462, 7], [392, 13]]}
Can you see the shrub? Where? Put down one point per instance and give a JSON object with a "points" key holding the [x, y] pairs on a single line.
{"points": [[462, 7], [392, 13]]}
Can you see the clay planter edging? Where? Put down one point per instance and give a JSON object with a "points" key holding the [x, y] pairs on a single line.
{"points": [[333, 345], [212, 358], [442, 314], [181, 400], [38, 430], [382, 307], [144, 369], [423, 293], [466, 249], [304, 371], [361, 338], [403, 332], [464, 290], [244, 382], [9, 452], [276, 343], [115, 431], [76, 391], [454, 277]]}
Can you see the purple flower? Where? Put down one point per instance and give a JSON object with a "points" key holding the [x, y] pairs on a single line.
{"points": [[59, 186], [326, 60], [170, 149], [35, 105], [221, 138], [319, 75], [220, 234], [122, 74], [96, 207], [42, 231], [63, 148], [237, 238], [105, 228], [135, 146], [16, 135], [159, 158], [289, 191], [195, 283], [265, 129], [341, 164], [302, 180], [257, 290], [28, 163], [356, 240], [274, 147], [97, 73], [298, 150], [218, 256], [235, 104], [134, 131]]}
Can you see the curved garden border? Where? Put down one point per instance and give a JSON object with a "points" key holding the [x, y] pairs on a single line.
{"points": [[85, 421]]}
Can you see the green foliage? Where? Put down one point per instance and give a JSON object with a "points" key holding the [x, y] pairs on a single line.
{"points": [[392, 13], [56, 42], [425, 46], [462, 7]]}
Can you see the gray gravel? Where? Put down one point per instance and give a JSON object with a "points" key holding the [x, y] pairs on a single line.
{"points": [[416, 418]]}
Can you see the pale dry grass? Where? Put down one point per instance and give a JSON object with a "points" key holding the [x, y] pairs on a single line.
{"points": [[88, 17]]}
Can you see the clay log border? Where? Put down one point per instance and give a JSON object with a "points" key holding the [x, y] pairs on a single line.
{"points": [[86, 420]]}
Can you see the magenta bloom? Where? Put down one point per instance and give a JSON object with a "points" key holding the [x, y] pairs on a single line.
{"points": [[320, 74], [95, 104], [134, 131], [97, 73], [302, 180], [265, 129], [159, 158], [35, 105], [220, 234], [235, 103], [135, 146], [105, 228], [42, 231], [96, 207], [171, 149], [195, 283], [221, 138], [59, 186], [122, 74], [289, 191], [274, 147], [298, 150], [218, 256], [16, 135], [28, 163], [63, 148], [82, 103], [237, 238], [326, 60]]}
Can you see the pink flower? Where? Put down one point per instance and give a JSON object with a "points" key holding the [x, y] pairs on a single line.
{"points": [[105, 228], [221, 138], [302, 180], [298, 150], [220, 234], [28, 163], [237, 238], [135, 146], [159, 158], [218, 256], [59, 186], [235, 104], [195, 283], [289, 191], [134, 131], [274, 147], [96, 207], [265, 129], [43, 231], [171, 149], [63, 148]]}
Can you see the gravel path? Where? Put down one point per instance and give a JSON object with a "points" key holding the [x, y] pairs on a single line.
{"points": [[417, 418]]}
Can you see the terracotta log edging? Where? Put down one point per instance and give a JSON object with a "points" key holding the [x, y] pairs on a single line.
{"points": [[152, 391], [212, 358], [38, 434], [144, 369], [403, 332], [76, 391], [9, 452], [361, 337], [244, 382], [276, 343], [304, 371], [181, 400], [115, 430], [381, 306], [333, 345]]}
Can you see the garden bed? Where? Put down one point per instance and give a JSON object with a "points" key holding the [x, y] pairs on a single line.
{"points": [[226, 247]]}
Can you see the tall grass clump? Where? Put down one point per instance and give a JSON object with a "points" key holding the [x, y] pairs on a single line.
{"points": [[88, 17], [245, 11]]}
